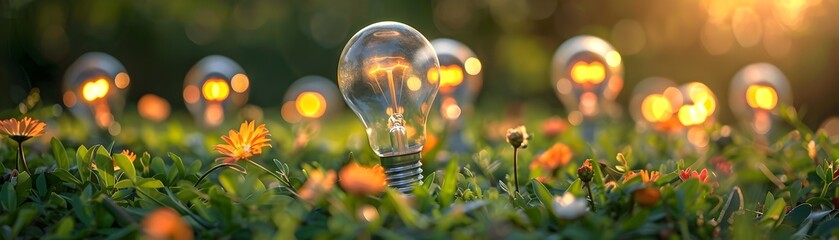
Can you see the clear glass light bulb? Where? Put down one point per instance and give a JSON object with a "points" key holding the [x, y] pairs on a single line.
{"points": [[654, 103], [213, 87], [757, 91], [460, 82], [383, 74], [587, 75], [95, 87], [311, 97]]}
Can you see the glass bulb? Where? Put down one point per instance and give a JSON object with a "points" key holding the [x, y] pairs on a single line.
{"points": [[654, 103], [213, 87], [95, 87], [383, 74], [587, 73], [756, 93], [460, 82], [310, 97]]}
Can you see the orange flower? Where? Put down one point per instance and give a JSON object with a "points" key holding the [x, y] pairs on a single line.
{"points": [[646, 176], [22, 130], [244, 144], [557, 156], [361, 181], [554, 126], [165, 223], [317, 185]]}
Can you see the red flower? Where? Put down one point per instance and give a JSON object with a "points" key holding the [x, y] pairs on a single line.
{"points": [[722, 165], [688, 174]]}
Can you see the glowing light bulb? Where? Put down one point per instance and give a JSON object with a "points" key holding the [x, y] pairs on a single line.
{"points": [[214, 87], [700, 105], [587, 75], [95, 87], [461, 82], [374, 74], [311, 97], [655, 103], [756, 93]]}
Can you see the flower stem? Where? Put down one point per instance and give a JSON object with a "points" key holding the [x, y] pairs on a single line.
{"points": [[516, 167], [21, 160], [230, 165], [285, 184], [590, 198]]}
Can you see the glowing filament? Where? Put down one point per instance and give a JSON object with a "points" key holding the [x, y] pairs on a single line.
{"points": [[215, 89], [761, 97], [93, 90], [311, 104], [391, 69], [656, 108], [450, 76], [593, 73]]}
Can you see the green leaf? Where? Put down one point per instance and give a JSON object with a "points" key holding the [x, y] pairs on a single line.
{"points": [[84, 157], [798, 214], [23, 186], [24, 218], [8, 198], [773, 213], [149, 183], [576, 188], [60, 154], [542, 194], [179, 163], [65, 227], [126, 165], [826, 228], [66, 176], [105, 167], [125, 183], [449, 185]]}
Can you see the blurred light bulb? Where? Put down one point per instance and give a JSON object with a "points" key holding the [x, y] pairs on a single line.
{"points": [[311, 97], [655, 103], [587, 75], [213, 87], [700, 105], [374, 75], [95, 87], [757, 91], [461, 81]]}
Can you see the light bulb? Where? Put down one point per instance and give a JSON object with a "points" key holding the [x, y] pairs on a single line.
{"points": [[654, 104], [310, 97], [460, 81], [587, 75], [757, 92], [213, 87], [95, 87], [383, 74]]}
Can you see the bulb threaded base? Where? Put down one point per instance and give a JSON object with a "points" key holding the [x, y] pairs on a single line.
{"points": [[403, 171]]}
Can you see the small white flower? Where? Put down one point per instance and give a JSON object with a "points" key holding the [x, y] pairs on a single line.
{"points": [[569, 207]]}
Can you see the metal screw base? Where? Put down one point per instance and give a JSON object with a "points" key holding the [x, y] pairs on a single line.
{"points": [[403, 171]]}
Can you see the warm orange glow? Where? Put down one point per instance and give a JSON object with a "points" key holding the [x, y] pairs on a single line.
{"points": [[289, 112], [69, 99], [703, 97], [215, 89], [93, 90], [122, 80], [240, 83], [451, 110], [690, 115], [191, 94], [310, 104], [387, 70], [103, 115], [214, 114], [588, 104], [450, 76], [414, 83], [472, 65], [153, 107], [656, 108], [593, 73], [761, 97]]}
